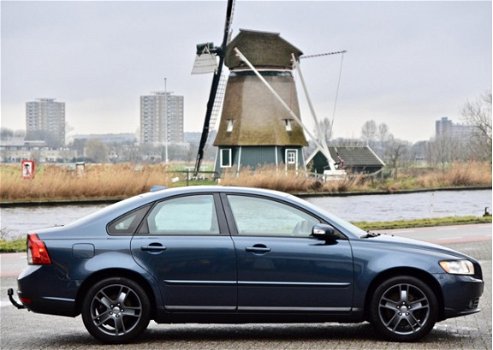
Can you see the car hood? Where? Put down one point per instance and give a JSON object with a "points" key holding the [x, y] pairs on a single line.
{"points": [[401, 243]]}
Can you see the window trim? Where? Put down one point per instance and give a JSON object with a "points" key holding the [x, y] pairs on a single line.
{"points": [[221, 160], [291, 151]]}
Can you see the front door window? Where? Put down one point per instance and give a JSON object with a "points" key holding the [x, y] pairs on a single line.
{"points": [[262, 217]]}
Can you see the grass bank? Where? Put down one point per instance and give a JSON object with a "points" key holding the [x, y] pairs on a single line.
{"points": [[19, 245], [445, 221], [117, 181]]}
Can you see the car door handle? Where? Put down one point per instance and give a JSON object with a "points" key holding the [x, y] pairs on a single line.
{"points": [[258, 249], [153, 247]]}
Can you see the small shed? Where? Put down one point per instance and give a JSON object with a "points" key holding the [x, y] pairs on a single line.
{"points": [[353, 159]]}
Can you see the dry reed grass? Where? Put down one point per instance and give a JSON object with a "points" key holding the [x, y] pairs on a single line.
{"points": [[271, 178], [123, 180], [97, 181], [458, 174]]}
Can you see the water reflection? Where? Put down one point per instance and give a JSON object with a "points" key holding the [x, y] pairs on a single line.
{"points": [[406, 206], [18, 221]]}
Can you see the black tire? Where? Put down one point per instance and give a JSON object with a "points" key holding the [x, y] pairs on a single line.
{"points": [[116, 310], [403, 308]]}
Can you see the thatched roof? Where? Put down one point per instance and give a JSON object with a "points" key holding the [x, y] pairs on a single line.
{"points": [[262, 49], [256, 117]]}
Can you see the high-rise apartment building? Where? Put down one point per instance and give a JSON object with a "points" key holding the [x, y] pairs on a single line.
{"points": [[161, 118], [45, 120], [445, 127]]}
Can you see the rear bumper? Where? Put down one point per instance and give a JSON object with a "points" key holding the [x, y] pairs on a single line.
{"points": [[37, 292]]}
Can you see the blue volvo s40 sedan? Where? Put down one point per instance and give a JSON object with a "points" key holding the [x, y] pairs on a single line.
{"points": [[236, 255]]}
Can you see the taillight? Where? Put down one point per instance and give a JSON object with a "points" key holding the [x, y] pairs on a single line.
{"points": [[37, 254]]}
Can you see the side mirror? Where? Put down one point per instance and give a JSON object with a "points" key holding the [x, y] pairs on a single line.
{"points": [[323, 231]]}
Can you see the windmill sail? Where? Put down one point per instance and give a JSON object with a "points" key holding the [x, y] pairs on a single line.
{"points": [[205, 61], [218, 102], [219, 51]]}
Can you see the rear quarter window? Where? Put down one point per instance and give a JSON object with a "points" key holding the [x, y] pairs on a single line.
{"points": [[128, 223]]}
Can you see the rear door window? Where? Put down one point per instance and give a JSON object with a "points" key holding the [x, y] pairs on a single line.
{"points": [[191, 215]]}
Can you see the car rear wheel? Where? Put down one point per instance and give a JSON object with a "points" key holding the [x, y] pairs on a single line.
{"points": [[116, 310], [403, 309]]}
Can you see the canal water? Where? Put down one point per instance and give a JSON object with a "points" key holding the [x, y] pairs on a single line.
{"points": [[17, 221]]}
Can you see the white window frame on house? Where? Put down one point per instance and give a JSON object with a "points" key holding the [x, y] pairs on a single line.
{"points": [[289, 161], [221, 159], [288, 125], [229, 126]]}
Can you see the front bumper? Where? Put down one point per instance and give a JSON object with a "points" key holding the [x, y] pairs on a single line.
{"points": [[461, 295]]}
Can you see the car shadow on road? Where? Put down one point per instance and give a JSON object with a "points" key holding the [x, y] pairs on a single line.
{"points": [[226, 336], [221, 336]]}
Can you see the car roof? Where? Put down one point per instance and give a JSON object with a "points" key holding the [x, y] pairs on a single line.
{"points": [[229, 189]]}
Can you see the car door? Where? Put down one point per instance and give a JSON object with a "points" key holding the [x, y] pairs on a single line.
{"points": [[184, 243], [280, 266]]}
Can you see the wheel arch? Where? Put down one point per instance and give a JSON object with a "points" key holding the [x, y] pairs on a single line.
{"points": [[405, 271], [108, 273]]}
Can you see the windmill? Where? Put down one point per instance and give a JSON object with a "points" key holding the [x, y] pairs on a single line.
{"points": [[260, 121], [204, 62]]}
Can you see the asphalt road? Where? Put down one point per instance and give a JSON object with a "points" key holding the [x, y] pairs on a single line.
{"points": [[20, 329]]}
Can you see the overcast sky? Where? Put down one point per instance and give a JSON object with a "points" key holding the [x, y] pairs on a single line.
{"points": [[408, 63]]}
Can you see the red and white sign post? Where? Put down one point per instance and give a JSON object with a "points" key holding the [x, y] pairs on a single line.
{"points": [[27, 169]]}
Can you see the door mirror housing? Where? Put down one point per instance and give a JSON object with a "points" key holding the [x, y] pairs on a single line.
{"points": [[324, 231]]}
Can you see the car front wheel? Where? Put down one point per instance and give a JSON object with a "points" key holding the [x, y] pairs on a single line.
{"points": [[116, 310], [403, 309]]}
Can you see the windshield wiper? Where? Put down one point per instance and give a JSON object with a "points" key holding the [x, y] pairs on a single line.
{"points": [[370, 234]]}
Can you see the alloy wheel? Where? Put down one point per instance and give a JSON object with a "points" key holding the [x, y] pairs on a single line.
{"points": [[404, 309], [116, 309]]}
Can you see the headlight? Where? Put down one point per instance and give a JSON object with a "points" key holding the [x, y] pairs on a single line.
{"points": [[458, 267]]}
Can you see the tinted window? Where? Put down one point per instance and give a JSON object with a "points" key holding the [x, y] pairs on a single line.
{"points": [[184, 215], [264, 217], [128, 223]]}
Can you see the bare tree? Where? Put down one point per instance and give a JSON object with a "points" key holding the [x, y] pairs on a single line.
{"points": [[325, 129], [396, 151], [445, 149], [6, 133], [383, 132], [96, 150], [369, 131], [478, 115]]}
